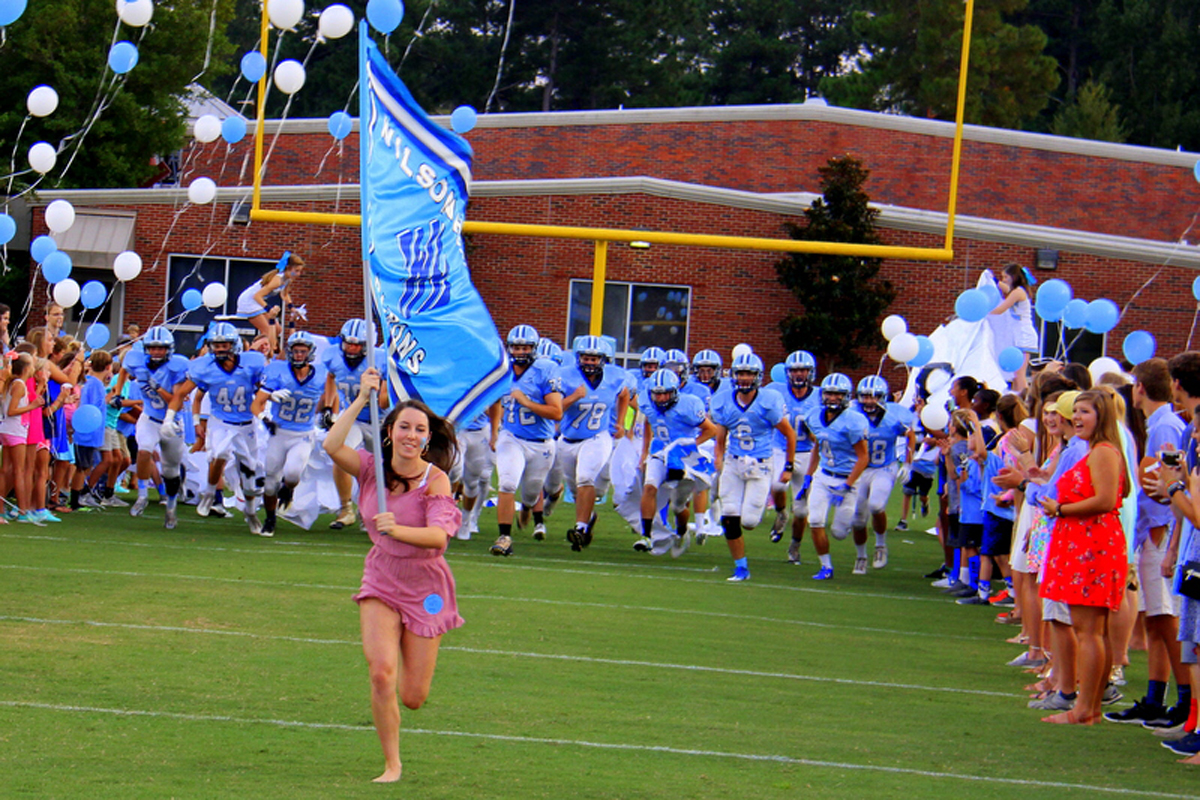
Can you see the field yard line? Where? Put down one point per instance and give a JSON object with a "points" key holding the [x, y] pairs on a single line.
{"points": [[619, 662], [624, 747], [129, 574]]}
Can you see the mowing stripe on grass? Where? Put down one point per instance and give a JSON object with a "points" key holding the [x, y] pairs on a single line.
{"points": [[624, 747], [617, 662]]}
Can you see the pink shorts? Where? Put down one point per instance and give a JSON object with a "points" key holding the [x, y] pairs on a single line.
{"points": [[420, 590], [9, 440]]}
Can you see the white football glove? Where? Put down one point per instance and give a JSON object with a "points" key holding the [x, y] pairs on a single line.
{"points": [[280, 395], [170, 428]]}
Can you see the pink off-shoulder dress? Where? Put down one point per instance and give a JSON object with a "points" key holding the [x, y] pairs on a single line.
{"points": [[415, 582]]}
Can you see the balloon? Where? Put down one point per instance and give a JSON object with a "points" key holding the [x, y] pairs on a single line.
{"points": [[192, 299], [135, 13], [289, 76], [202, 190], [42, 157], [742, 349], [1102, 365], [778, 374], [1196, 289], [122, 57], [1195, 169], [11, 11], [1075, 313], [385, 15], [1102, 316], [935, 417], [97, 335], [60, 216], [992, 294], [92, 294], [1139, 346], [127, 265], [8, 228], [463, 119], [233, 129], [207, 128], [893, 326], [42, 101], [285, 14], [1052, 298], [56, 267], [66, 293], [340, 125], [903, 348], [924, 352], [1011, 359], [335, 21], [254, 66], [936, 381], [214, 295], [972, 305], [41, 247], [87, 419]]}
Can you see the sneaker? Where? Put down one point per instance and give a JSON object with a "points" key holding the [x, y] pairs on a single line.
{"points": [[170, 517], [1138, 713], [111, 502], [739, 574], [591, 526], [347, 516], [973, 600], [794, 553], [1112, 695], [643, 544], [860, 566], [30, 518], [89, 501], [824, 574], [1187, 746], [539, 532], [44, 515], [1000, 598], [268, 525], [463, 533], [206, 503], [218, 511], [575, 537], [139, 506], [1001, 601], [940, 572], [953, 586], [902, 525], [254, 524], [966, 591], [1055, 701], [1175, 715], [1117, 676], [880, 557], [1171, 734], [502, 546], [680, 545], [1025, 660]]}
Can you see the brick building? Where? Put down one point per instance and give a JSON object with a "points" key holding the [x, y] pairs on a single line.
{"points": [[1106, 218]]}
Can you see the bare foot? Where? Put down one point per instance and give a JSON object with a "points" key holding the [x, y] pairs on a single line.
{"points": [[1191, 760], [1040, 686], [390, 775], [1067, 718]]}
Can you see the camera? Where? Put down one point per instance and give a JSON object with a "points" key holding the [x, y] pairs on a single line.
{"points": [[1171, 458]]}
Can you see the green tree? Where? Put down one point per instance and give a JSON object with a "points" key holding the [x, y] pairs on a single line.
{"points": [[1091, 114], [64, 43], [843, 296]]}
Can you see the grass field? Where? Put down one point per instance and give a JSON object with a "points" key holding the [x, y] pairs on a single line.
{"points": [[205, 662]]}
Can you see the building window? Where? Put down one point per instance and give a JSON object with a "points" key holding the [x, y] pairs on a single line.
{"points": [[637, 315], [195, 272], [1070, 344]]}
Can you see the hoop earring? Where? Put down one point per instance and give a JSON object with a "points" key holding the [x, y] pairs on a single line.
{"points": [[387, 441]]}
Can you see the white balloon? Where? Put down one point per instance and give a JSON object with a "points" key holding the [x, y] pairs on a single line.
{"points": [[937, 380], [742, 349], [893, 326], [903, 348], [207, 128], [135, 13], [285, 14], [1102, 365], [289, 76], [935, 417], [336, 21], [215, 294], [127, 265], [60, 216], [42, 101], [66, 292], [202, 190], [42, 157]]}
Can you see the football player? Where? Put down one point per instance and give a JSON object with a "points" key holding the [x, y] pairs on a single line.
{"points": [[791, 500], [886, 422], [706, 366]]}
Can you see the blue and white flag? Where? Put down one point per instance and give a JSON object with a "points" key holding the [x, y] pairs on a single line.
{"points": [[442, 345]]}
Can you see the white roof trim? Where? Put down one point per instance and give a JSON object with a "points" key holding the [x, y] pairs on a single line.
{"points": [[97, 236]]}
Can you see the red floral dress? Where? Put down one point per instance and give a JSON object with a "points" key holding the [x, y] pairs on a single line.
{"points": [[1085, 562]]}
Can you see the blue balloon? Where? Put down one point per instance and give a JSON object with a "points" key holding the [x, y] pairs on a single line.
{"points": [[993, 295], [97, 335], [8, 228], [254, 66], [1053, 296], [122, 57], [778, 374], [1047, 311], [1011, 359], [192, 299], [1196, 170], [1139, 346], [92, 294], [87, 419], [924, 352], [340, 125], [463, 119], [1102, 316], [233, 129], [1075, 314], [41, 247], [1196, 289], [56, 267], [972, 305], [385, 15], [11, 11]]}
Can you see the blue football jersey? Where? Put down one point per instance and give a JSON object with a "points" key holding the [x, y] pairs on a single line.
{"points": [[349, 379], [593, 413], [748, 428], [298, 412], [697, 389], [172, 372], [881, 438], [798, 409], [539, 380], [230, 393], [836, 440], [680, 421]]}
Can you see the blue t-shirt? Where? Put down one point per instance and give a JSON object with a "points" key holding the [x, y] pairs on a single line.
{"points": [[798, 409], [1164, 430], [298, 412], [230, 393], [167, 376], [133, 393], [991, 469], [680, 421], [748, 427], [539, 380], [593, 413], [971, 508], [91, 395], [881, 438], [349, 379], [836, 440]]}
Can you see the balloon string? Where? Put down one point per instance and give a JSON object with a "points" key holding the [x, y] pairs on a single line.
{"points": [[1193, 330], [212, 25], [12, 161], [500, 64]]}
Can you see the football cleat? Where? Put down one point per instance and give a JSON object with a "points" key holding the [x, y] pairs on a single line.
{"points": [[204, 506], [643, 544], [825, 574], [139, 506], [860, 566], [539, 532], [502, 546], [739, 574], [880, 557]]}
